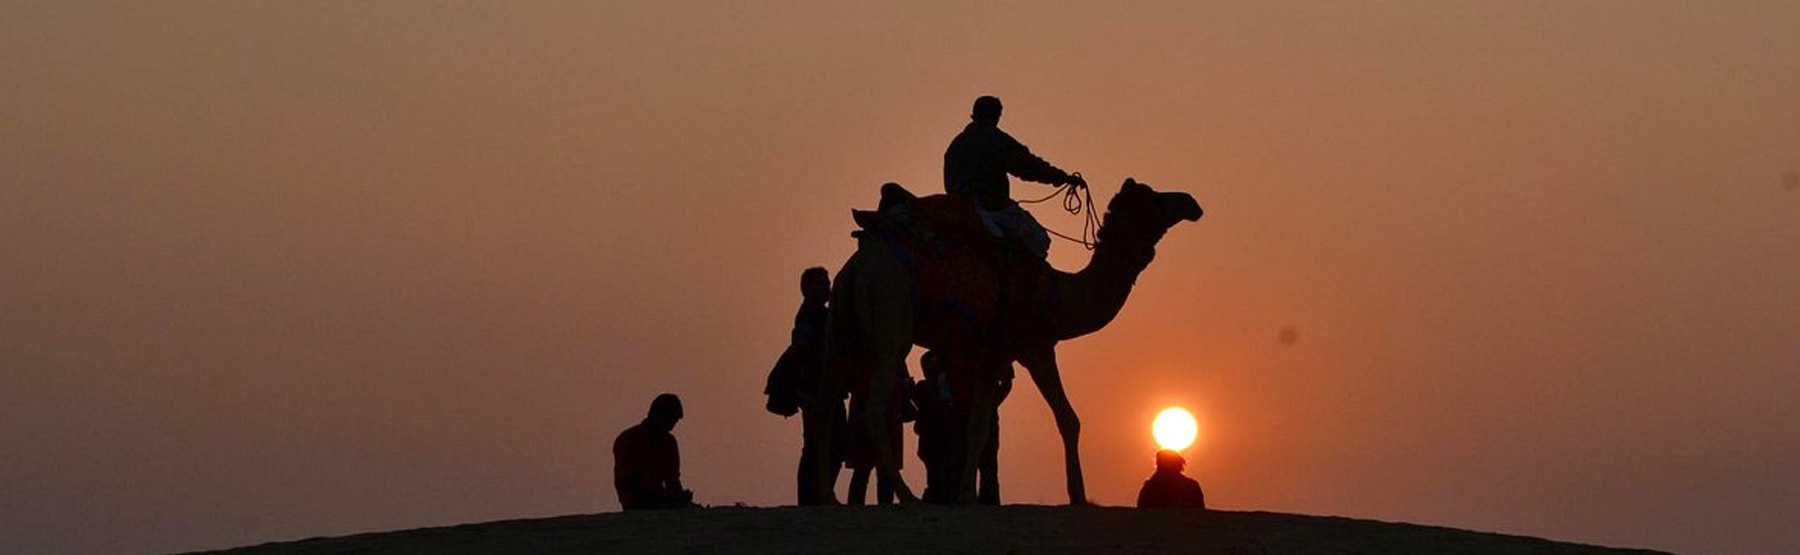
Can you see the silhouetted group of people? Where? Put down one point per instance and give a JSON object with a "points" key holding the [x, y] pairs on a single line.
{"points": [[977, 164], [937, 408], [944, 412]]}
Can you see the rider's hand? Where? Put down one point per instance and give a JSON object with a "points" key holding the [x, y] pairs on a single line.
{"points": [[1077, 181]]}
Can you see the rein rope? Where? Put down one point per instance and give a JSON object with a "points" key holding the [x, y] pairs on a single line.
{"points": [[1075, 200]]}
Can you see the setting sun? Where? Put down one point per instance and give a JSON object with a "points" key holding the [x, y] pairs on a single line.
{"points": [[1174, 428]]}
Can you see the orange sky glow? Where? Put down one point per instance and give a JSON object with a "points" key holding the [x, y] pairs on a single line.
{"points": [[279, 270]]}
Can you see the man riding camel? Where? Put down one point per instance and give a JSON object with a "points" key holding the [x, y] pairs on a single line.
{"points": [[976, 166]]}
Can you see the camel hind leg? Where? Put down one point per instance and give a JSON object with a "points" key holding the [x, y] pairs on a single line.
{"points": [[844, 357], [883, 308]]}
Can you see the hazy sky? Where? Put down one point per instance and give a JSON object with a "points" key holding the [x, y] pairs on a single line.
{"points": [[271, 270]]}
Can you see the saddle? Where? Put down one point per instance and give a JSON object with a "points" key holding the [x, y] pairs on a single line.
{"points": [[971, 290]]}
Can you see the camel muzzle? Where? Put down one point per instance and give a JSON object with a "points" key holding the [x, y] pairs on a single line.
{"points": [[1182, 206]]}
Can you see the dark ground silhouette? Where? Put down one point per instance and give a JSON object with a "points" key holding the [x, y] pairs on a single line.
{"points": [[1021, 529]]}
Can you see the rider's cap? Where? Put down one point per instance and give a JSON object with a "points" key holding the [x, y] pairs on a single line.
{"points": [[987, 108]]}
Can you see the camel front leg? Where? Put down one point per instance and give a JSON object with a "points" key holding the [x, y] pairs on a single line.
{"points": [[1040, 362]]}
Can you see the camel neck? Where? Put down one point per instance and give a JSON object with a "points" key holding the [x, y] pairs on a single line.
{"points": [[1094, 295]]}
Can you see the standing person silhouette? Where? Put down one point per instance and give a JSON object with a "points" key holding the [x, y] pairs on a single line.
{"points": [[647, 460], [943, 412], [793, 387], [976, 165], [939, 430]]}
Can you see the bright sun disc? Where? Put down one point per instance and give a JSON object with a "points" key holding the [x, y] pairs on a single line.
{"points": [[1174, 429]]}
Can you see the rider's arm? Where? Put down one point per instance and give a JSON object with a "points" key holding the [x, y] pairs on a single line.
{"points": [[1027, 166]]}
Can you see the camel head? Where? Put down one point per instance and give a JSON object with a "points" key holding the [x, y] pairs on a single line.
{"points": [[1139, 214]]}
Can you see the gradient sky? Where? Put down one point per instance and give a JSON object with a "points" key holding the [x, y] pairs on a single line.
{"points": [[272, 270]]}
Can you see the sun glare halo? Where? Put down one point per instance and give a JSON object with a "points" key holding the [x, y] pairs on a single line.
{"points": [[1174, 428]]}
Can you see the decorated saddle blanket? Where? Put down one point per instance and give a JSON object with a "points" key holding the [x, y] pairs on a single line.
{"points": [[971, 290]]}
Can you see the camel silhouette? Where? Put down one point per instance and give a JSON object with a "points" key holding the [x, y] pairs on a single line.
{"points": [[929, 274]]}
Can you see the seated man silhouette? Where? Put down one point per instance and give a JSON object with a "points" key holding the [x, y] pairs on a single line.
{"points": [[1168, 487], [976, 166], [647, 461]]}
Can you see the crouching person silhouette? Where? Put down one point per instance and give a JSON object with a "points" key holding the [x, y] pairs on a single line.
{"points": [[1168, 487], [647, 461]]}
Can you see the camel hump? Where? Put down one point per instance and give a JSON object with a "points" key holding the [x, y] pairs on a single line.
{"points": [[894, 200], [892, 194], [866, 219], [922, 220], [902, 210]]}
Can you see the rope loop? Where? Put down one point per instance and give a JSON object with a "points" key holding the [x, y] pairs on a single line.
{"points": [[1075, 201]]}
